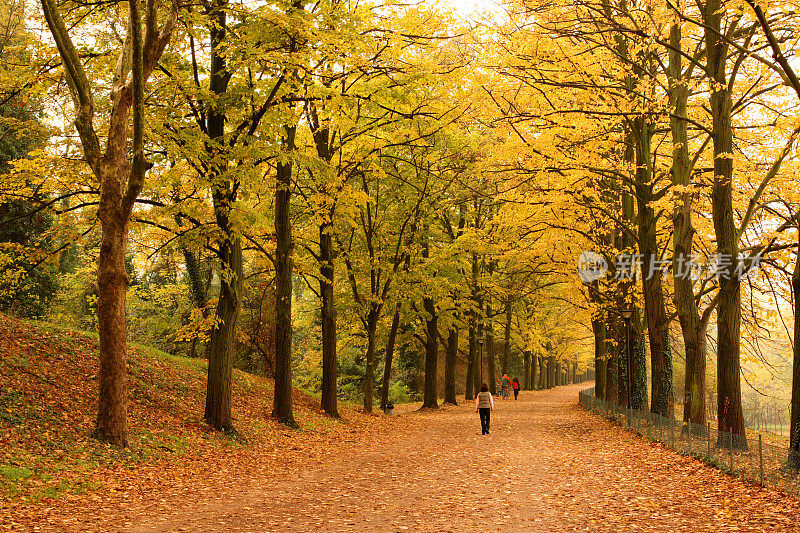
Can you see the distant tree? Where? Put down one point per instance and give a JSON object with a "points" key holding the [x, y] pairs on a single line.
{"points": [[24, 245]]}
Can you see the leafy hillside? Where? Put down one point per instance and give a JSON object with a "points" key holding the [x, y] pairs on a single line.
{"points": [[48, 391]]}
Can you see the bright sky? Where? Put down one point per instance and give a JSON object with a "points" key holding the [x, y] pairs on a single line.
{"points": [[470, 8]]}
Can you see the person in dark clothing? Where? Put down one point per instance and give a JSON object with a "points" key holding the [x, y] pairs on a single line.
{"points": [[515, 384], [484, 404]]}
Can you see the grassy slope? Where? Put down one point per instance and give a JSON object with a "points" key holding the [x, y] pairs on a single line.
{"points": [[48, 391]]}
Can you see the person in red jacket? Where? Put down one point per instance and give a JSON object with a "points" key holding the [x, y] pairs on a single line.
{"points": [[505, 383], [515, 385]]}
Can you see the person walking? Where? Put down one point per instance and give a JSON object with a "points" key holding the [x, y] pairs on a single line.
{"points": [[515, 385], [484, 405], [505, 382]]}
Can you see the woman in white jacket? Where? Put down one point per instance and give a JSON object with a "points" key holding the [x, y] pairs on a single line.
{"points": [[484, 404]]}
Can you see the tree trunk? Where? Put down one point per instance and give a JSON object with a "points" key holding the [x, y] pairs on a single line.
{"points": [[794, 423], [652, 290], [450, 367], [476, 328], [320, 131], [639, 397], [223, 336], [196, 283], [489, 344], [620, 332], [198, 288], [479, 377], [612, 387], [329, 358], [547, 372], [599, 330], [429, 399], [121, 172], [527, 370], [369, 362], [729, 390], [387, 364], [551, 371], [694, 404], [541, 383], [469, 386], [223, 193], [507, 336], [112, 284], [282, 405], [534, 373]]}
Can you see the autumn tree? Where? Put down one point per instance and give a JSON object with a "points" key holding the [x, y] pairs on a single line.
{"points": [[119, 167]]}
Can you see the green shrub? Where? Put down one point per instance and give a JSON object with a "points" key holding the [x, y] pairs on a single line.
{"points": [[399, 392]]}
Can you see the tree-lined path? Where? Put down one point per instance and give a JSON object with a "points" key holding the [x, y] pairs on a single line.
{"points": [[547, 466]]}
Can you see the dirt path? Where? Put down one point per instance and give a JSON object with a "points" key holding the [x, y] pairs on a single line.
{"points": [[547, 466]]}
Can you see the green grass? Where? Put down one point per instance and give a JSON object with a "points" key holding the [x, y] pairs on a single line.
{"points": [[51, 326], [65, 487], [52, 453], [19, 361], [15, 473], [197, 364], [14, 479]]}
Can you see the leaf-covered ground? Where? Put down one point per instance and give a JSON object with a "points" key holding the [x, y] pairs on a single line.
{"points": [[547, 465], [55, 476]]}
